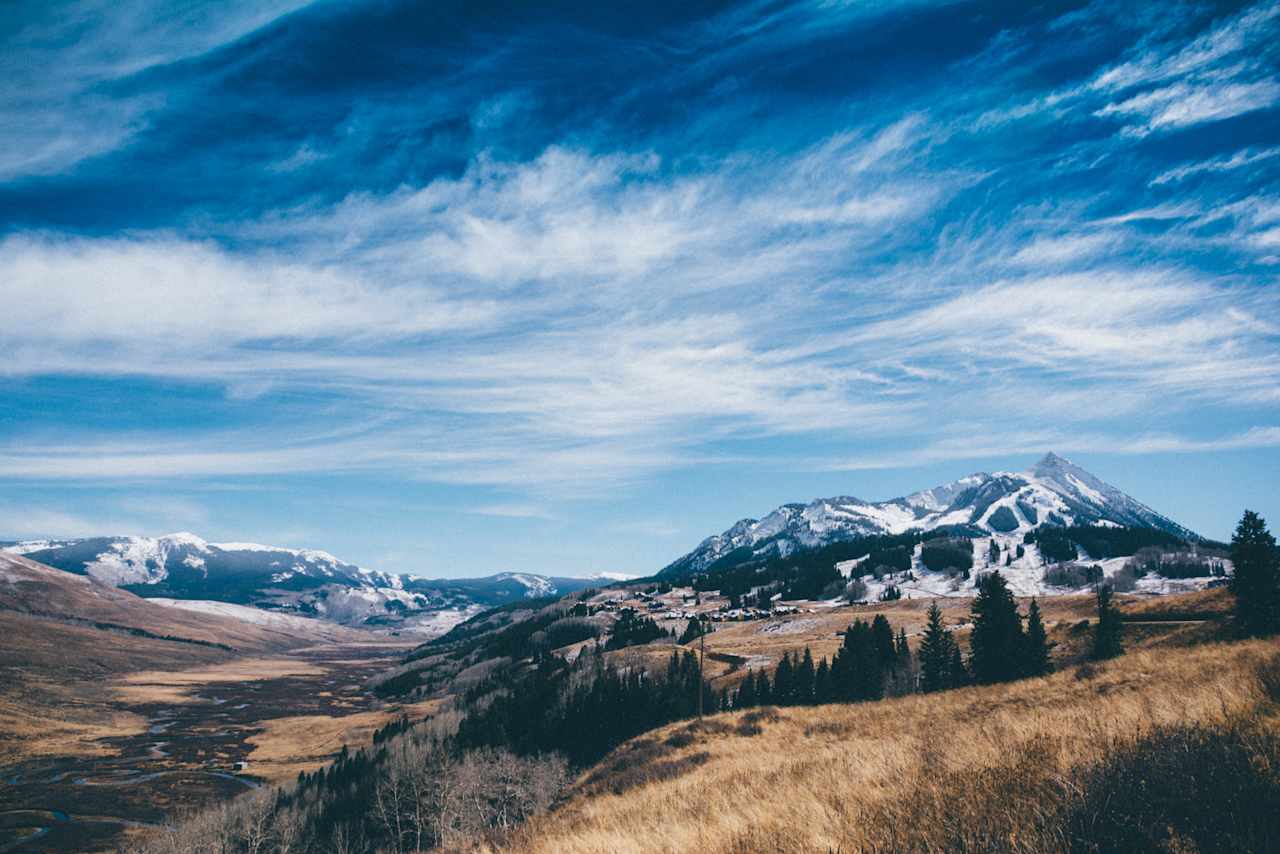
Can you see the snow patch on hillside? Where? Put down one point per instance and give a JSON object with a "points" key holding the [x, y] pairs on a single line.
{"points": [[244, 613], [535, 585]]}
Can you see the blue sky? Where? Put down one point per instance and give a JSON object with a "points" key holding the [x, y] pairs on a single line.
{"points": [[458, 288]]}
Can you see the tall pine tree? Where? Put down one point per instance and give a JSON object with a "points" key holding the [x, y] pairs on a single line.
{"points": [[805, 676], [857, 671], [783, 682], [1036, 652], [1256, 581], [1107, 642], [882, 633], [935, 653], [822, 683], [996, 643], [957, 675]]}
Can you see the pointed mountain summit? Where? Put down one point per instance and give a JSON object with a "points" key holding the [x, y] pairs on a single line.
{"points": [[1054, 492]]}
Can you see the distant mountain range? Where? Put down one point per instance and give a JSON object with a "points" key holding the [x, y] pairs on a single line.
{"points": [[1001, 505], [302, 581], [1053, 492]]}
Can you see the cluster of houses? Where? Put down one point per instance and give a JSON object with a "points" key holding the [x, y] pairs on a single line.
{"points": [[667, 611], [742, 615]]}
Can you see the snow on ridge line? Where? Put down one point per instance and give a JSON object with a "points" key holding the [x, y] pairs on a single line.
{"points": [[246, 613], [182, 538], [28, 546], [306, 554], [248, 547]]}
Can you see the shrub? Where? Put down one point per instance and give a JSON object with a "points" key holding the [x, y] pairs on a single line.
{"points": [[1188, 788], [1071, 575], [1124, 580], [856, 590]]}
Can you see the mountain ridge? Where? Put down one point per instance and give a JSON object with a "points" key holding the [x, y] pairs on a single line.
{"points": [[309, 582], [1054, 491]]}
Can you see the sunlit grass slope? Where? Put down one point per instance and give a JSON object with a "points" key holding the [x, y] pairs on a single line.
{"points": [[1014, 767]]}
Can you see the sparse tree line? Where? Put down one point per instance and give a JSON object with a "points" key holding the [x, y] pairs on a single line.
{"points": [[584, 710], [414, 794], [873, 662]]}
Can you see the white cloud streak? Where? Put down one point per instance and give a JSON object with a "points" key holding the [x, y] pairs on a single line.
{"points": [[54, 111]]}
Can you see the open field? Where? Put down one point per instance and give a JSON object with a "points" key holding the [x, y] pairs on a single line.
{"points": [[875, 776], [155, 686], [288, 745], [209, 734]]}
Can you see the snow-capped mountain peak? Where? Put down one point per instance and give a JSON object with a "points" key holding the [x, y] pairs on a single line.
{"points": [[1054, 491]]}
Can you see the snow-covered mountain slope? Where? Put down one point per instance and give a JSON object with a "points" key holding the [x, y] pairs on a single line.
{"points": [[184, 559], [1052, 492], [309, 582], [1025, 570]]}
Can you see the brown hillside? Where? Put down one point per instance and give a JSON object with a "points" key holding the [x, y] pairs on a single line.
{"points": [[913, 773]]}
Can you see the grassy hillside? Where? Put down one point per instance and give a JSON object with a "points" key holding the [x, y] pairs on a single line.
{"points": [[1014, 767]]}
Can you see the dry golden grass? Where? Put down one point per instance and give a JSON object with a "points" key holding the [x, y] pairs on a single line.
{"points": [[178, 686], [1217, 603], [61, 729], [306, 742], [824, 778]]}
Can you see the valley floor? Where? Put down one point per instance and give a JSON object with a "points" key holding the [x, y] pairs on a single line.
{"points": [[189, 738]]}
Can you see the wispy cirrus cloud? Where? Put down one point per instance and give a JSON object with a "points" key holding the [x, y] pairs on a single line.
{"points": [[68, 93], [1239, 160], [1004, 444], [720, 239]]}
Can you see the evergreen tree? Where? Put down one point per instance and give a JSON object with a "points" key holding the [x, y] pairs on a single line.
{"points": [[804, 679], [746, 696], [900, 648], [783, 683], [996, 642], [1256, 582], [935, 653], [1107, 642], [764, 691], [822, 683], [697, 628], [857, 672], [957, 674], [993, 552], [1036, 655], [902, 652], [882, 636]]}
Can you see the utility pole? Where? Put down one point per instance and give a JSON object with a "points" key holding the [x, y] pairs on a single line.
{"points": [[702, 657]]}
